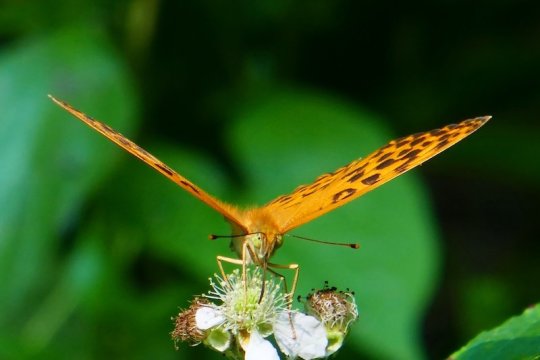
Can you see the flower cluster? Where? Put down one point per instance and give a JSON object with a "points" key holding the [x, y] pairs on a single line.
{"points": [[243, 319]]}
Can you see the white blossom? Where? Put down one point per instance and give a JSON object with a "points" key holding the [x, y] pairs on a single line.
{"points": [[300, 335], [238, 318]]}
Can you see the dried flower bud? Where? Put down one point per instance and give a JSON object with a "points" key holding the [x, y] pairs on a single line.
{"points": [[185, 328]]}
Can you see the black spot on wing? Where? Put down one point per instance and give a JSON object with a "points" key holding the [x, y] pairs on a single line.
{"points": [[168, 171], [384, 157], [401, 143], [385, 163], [437, 132], [356, 176], [441, 144], [411, 155], [125, 141], [283, 199], [105, 126], [418, 141], [444, 137], [403, 152], [343, 194], [370, 180], [306, 194], [190, 185]]}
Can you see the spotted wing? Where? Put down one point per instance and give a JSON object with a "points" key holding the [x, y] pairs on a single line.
{"points": [[332, 190], [228, 211]]}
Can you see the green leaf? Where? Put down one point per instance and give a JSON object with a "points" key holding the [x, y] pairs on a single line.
{"points": [[517, 338], [50, 161]]}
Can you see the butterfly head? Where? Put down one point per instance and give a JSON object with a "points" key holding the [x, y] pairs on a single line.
{"points": [[260, 237], [260, 246]]}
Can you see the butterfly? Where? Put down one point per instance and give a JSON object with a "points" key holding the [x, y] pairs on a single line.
{"points": [[258, 232]]}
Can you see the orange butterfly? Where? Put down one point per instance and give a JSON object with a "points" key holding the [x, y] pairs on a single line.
{"points": [[258, 232]]}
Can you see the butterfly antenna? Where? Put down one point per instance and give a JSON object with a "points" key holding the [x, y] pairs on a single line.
{"points": [[351, 245], [214, 236]]}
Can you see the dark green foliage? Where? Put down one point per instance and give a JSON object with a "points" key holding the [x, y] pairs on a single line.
{"points": [[249, 100]]}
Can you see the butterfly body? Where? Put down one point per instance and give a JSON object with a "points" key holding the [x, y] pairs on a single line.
{"points": [[258, 232]]}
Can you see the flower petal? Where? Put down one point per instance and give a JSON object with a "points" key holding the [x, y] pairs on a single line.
{"points": [[305, 337], [208, 317], [260, 349]]}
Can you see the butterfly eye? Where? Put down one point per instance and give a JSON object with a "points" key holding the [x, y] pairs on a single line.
{"points": [[256, 239], [261, 239]]}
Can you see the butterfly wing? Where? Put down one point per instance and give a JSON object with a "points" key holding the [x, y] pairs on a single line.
{"points": [[332, 190], [228, 211]]}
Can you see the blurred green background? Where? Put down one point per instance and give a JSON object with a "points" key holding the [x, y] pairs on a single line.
{"points": [[248, 100]]}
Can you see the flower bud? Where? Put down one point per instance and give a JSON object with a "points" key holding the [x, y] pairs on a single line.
{"points": [[336, 310], [185, 325]]}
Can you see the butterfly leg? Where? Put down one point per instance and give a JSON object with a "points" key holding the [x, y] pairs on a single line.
{"points": [[289, 295], [246, 248], [221, 259], [296, 269]]}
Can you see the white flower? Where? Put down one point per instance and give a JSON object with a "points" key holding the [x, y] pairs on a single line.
{"points": [[301, 335], [242, 308], [207, 317], [258, 348], [240, 324]]}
